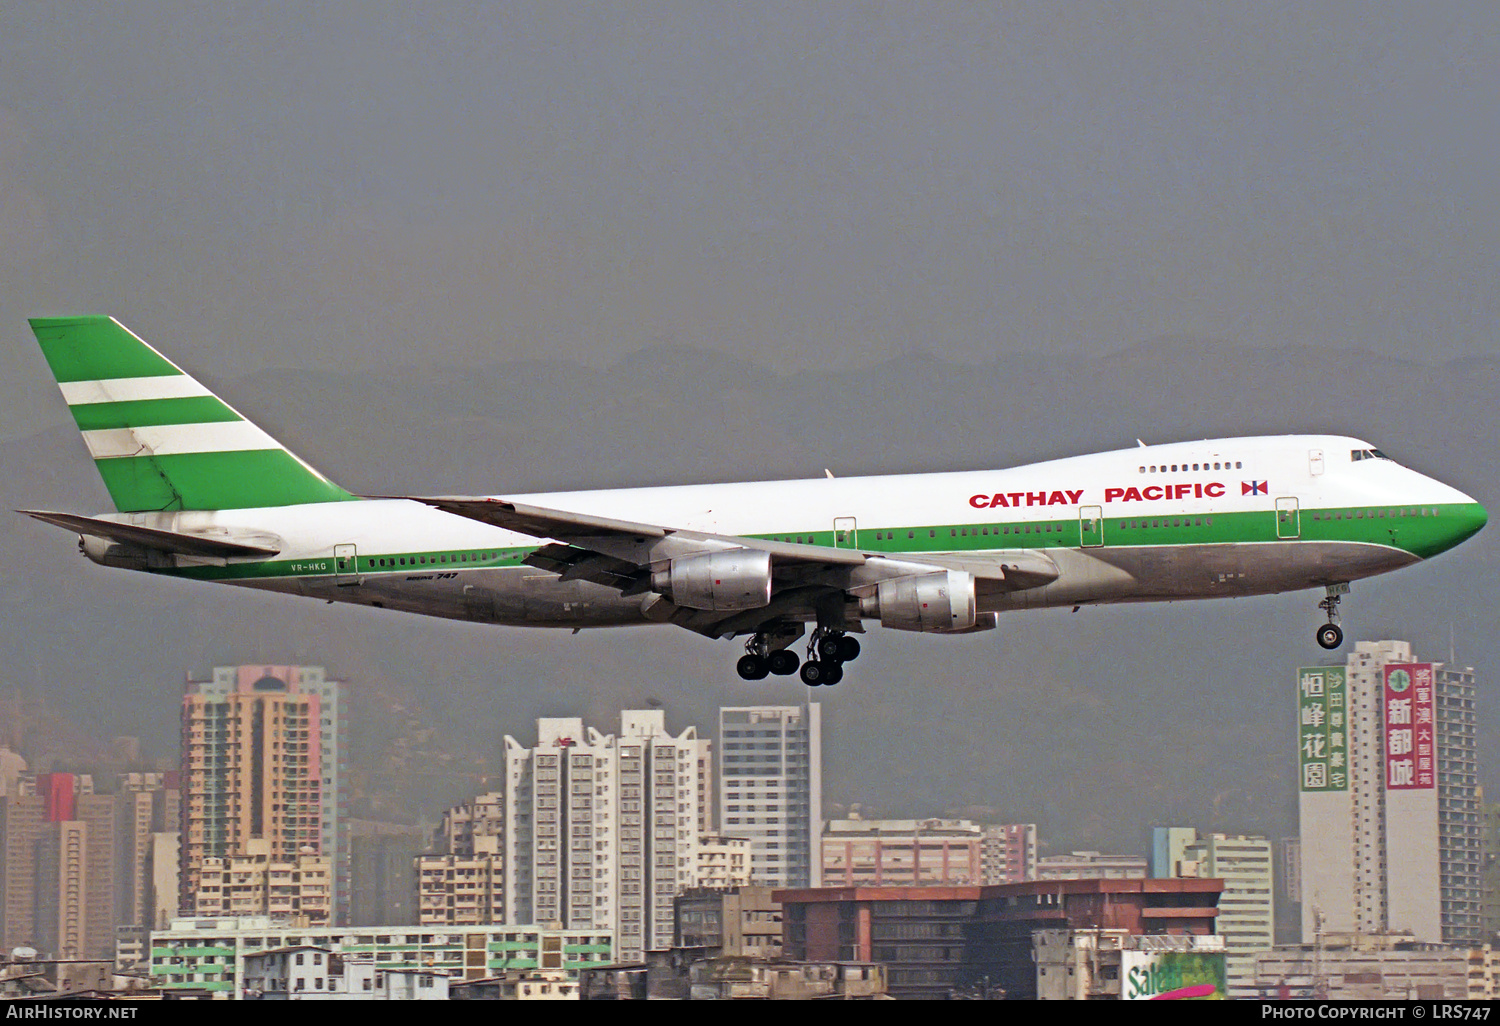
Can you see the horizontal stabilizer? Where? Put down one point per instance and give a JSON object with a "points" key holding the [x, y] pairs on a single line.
{"points": [[209, 546]]}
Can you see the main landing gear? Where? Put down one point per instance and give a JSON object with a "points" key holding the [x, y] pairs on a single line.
{"points": [[767, 653], [1330, 635], [827, 652]]}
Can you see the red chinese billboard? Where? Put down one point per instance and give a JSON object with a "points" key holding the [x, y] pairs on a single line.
{"points": [[1410, 727]]}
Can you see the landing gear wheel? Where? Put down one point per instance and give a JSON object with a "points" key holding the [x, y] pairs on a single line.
{"points": [[813, 673], [752, 667], [1330, 636], [783, 662], [828, 646], [848, 649], [832, 674]]}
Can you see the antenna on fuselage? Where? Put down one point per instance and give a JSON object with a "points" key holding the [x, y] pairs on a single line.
{"points": [[1140, 443]]}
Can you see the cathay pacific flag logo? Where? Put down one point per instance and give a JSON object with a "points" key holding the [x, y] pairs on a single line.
{"points": [[1255, 488]]}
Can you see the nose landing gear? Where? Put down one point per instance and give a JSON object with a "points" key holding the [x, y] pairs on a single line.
{"points": [[1330, 635]]}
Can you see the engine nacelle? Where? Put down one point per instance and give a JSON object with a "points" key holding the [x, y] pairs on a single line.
{"points": [[720, 581], [942, 601]]}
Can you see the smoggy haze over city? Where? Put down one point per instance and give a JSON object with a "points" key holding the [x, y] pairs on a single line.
{"points": [[462, 249]]}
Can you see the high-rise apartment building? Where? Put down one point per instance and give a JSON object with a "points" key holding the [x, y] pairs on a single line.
{"points": [[146, 804], [1247, 913], [261, 761], [463, 882], [895, 852], [1389, 803], [771, 789], [1009, 853], [256, 882], [57, 881], [601, 830], [723, 862], [460, 890], [902, 852], [1091, 865]]}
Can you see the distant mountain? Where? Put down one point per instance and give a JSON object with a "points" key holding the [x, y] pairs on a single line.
{"points": [[1098, 724]]}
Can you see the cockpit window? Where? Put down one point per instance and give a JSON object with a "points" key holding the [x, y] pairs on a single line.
{"points": [[1367, 454]]}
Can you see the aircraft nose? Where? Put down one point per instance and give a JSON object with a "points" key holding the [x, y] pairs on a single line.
{"points": [[1466, 520]]}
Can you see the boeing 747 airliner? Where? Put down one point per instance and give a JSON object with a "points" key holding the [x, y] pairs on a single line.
{"points": [[200, 492]]}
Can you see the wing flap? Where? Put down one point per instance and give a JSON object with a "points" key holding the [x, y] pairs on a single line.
{"points": [[572, 563]]}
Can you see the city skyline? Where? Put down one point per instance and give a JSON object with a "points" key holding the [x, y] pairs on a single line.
{"points": [[574, 838], [130, 759]]}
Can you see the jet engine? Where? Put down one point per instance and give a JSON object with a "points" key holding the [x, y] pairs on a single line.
{"points": [[720, 581], [941, 601]]}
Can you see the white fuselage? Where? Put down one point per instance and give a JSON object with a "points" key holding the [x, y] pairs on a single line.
{"points": [[1184, 520]]}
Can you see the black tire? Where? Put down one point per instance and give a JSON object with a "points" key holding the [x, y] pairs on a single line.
{"points": [[1330, 636], [848, 649], [752, 667], [832, 674], [783, 662], [828, 646], [812, 673]]}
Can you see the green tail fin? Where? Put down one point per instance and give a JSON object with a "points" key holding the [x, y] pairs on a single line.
{"points": [[161, 440]]}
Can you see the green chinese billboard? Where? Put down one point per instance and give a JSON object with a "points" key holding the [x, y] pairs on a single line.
{"points": [[1323, 728]]}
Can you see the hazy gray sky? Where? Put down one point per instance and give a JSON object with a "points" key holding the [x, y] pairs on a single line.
{"points": [[315, 185], [311, 184]]}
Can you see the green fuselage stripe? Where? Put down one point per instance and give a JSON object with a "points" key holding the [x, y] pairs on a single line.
{"points": [[1420, 530], [198, 409], [246, 479], [1422, 535], [399, 564]]}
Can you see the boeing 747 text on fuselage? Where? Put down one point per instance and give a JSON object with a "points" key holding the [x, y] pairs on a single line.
{"points": [[202, 493]]}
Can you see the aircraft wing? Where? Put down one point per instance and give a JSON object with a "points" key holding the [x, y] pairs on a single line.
{"points": [[622, 554]]}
